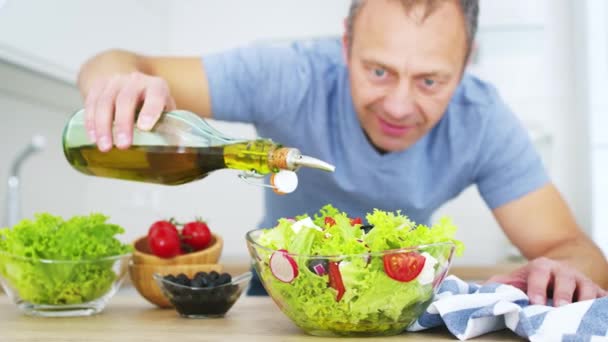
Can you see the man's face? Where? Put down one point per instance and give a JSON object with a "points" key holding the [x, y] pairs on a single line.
{"points": [[404, 69]]}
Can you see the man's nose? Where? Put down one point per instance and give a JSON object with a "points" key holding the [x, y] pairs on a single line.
{"points": [[399, 103]]}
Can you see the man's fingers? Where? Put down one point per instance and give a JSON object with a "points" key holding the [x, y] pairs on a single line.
{"points": [[89, 108], [564, 286], [111, 105], [104, 114], [587, 290], [539, 279], [543, 277], [126, 103], [157, 98], [171, 105]]}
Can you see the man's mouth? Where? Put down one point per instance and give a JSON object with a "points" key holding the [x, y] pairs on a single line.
{"points": [[394, 130]]}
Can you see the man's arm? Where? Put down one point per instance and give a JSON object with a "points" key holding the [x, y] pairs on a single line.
{"points": [[541, 225], [115, 83]]}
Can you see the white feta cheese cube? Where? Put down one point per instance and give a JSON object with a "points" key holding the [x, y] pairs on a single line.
{"points": [[428, 271], [307, 222]]}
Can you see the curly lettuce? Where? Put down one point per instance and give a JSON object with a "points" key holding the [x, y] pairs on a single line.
{"points": [[83, 248]]}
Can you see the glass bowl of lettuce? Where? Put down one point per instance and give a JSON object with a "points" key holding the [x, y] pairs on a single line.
{"points": [[334, 275], [57, 268]]}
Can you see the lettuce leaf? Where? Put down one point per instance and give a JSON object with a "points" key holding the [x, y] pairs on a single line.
{"points": [[24, 248]]}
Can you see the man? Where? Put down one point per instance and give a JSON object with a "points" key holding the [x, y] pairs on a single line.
{"points": [[391, 107]]}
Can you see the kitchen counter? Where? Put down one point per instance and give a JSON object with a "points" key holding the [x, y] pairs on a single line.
{"points": [[129, 317]]}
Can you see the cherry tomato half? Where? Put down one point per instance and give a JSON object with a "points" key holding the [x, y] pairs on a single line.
{"points": [[404, 266], [329, 221], [355, 221]]}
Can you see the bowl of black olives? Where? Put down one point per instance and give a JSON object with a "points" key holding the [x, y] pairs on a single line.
{"points": [[206, 295]]}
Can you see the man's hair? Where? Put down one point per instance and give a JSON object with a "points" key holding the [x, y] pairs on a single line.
{"points": [[470, 10]]}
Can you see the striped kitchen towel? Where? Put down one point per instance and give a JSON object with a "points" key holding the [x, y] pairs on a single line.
{"points": [[469, 310]]}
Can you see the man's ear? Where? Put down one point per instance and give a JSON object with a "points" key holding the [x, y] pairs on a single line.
{"points": [[345, 43]]}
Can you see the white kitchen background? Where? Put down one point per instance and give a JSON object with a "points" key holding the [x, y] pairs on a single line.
{"points": [[548, 58]]}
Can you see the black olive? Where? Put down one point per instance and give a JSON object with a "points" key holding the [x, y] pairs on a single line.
{"points": [[213, 275], [183, 279], [203, 298], [224, 278], [366, 228]]}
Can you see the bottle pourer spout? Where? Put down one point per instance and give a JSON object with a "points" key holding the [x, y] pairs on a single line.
{"points": [[313, 163], [289, 158]]}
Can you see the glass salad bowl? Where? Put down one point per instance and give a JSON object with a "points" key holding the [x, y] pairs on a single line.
{"points": [[61, 288], [360, 294]]}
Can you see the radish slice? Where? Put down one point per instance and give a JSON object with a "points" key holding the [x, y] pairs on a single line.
{"points": [[283, 267], [284, 182]]}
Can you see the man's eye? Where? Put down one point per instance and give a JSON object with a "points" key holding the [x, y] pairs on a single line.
{"points": [[379, 72], [429, 82]]}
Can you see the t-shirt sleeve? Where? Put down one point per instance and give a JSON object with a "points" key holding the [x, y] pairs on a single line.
{"points": [[509, 166], [258, 83]]}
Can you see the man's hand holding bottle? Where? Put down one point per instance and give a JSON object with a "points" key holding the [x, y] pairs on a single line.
{"points": [[115, 100]]}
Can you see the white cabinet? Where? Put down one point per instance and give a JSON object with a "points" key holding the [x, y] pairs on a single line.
{"points": [[55, 37]]}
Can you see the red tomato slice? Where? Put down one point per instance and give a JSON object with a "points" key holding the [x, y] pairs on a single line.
{"points": [[404, 266], [356, 220], [335, 280], [329, 221]]}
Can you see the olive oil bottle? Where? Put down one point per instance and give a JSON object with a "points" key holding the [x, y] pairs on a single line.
{"points": [[181, 148]]}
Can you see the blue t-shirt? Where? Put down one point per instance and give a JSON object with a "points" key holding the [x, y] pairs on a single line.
{"points": [[300, 96]]}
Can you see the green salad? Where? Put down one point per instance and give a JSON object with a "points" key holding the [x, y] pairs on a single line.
{"points": [[82, 249], [332, 272]]}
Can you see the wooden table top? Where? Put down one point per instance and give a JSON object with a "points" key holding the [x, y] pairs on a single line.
{"points": [[128, 317]]}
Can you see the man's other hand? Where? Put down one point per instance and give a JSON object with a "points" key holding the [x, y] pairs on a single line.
{"points": [[544, 278]]}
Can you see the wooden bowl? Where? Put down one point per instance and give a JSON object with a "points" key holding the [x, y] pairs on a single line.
{"points": [[209, 255], [141, 277]]}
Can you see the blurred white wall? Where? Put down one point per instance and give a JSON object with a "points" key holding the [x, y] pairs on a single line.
{"points": [[202, 26], [591, 70], [524, 47], [48, 41], [57, 36]]}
